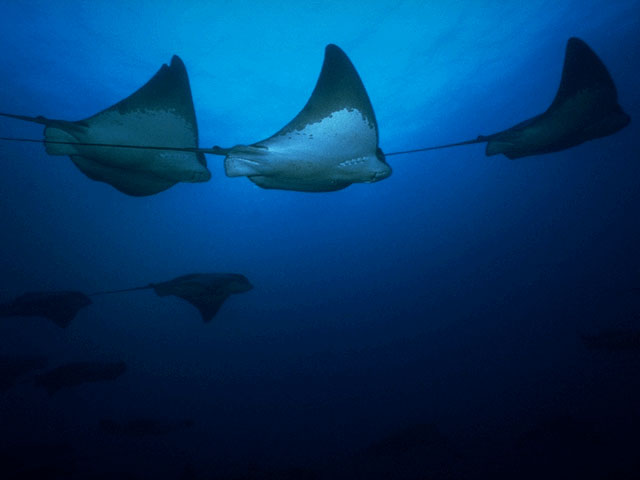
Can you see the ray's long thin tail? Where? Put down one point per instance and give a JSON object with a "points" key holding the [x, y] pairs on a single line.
{"points": [[38, 119], [480, 139], [212, 151], [216, 150], [123, 290], [44, 121]]}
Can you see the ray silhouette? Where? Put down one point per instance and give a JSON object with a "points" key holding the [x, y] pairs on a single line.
{"points": [[205, 291], [13, 367], [59, 307], [585, 108]]}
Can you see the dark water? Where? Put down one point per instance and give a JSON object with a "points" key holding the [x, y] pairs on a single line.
{"points": [[426, 326]]}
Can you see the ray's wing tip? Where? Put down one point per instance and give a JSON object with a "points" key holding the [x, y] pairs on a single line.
{"points": [[575, 41], [206, 175], [333, 50], [577, 45], [335, 55], [176, 62], [175, 68]]}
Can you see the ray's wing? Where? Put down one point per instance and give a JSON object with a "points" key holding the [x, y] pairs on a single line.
{"points": [[583, 70], [60, 307], [207, 305], [338, 87], [206, 292], [330, 144], [160, 113], [585, 108]]}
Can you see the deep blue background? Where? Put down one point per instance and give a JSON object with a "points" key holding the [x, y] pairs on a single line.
{"points": [[452, 292]]}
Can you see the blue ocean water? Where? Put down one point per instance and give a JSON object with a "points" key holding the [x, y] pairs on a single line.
{"points": [[452, 294]]}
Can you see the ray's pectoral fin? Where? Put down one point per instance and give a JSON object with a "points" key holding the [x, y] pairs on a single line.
{"points": [[130, 182], [585, 108], [62, 319], [209, 306], [160, 113], [330, 144]]}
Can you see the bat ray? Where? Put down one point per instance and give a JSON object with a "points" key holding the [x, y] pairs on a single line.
{"points": [[59, 307], [330, 144], [205, 291], [12, 367], [585, 108], [77, 373], [160, 113], [141, 427]]}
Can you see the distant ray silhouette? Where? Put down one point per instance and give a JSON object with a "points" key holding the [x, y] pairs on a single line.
{"points": [[159, 113], [417, 451], [205, 291], [141, 427], [59, 307], [585, 108], [330, 144], [77, 373], [12, 367]]}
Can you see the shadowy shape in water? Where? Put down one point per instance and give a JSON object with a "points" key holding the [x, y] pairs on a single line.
{"points": [[205, 291], [59, 307], [12, 367], [585, 108], [330, 144], [142, 427], [416, 452], [613, 340], [160, 113], [78, 373]]}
